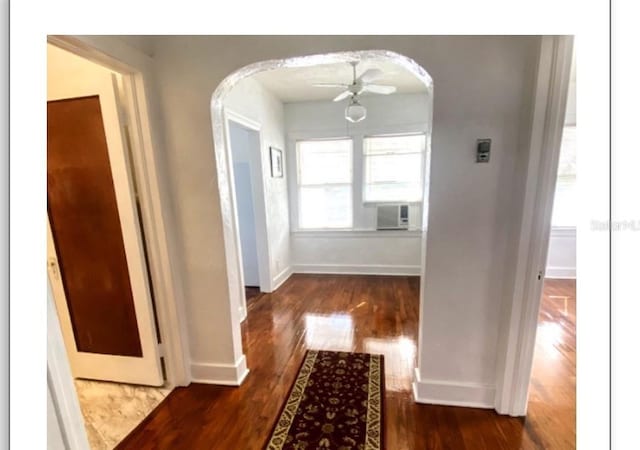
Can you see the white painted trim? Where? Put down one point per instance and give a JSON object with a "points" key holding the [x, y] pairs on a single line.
{"points": [[357, 269], [237, 290], [281, 278], [60, 383], [167, 285], [349, 234], [452, 393], [568, 273], [138, 71], [224, 374], [522, 302], [563, 232]]}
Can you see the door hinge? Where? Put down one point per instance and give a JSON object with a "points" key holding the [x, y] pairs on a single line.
{"points": [[540, 274], [161, 349]]}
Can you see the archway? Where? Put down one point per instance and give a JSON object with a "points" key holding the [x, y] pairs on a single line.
{"points": [[225, 172]]}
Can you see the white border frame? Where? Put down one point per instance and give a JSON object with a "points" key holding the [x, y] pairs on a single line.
{"points": [[136, 69], [519, 324]]}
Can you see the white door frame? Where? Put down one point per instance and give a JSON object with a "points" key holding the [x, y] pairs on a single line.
{"points": [[260, 209], [522, 301], [66, 409], [155, 211]]}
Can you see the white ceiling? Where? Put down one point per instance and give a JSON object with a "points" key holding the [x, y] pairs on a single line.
{"points": [[296, 84]]}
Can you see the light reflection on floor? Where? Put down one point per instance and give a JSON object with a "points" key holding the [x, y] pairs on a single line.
{"points": [[399, 360], [550, 335], [329, 332]]}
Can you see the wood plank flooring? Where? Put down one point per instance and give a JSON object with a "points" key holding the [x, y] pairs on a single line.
{"points": [[370, 314]]}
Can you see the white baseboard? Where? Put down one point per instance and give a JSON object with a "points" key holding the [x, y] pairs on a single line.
{"points": [[453, 393], [281, 278], [224, 374], [560, 272], [357, 269]]}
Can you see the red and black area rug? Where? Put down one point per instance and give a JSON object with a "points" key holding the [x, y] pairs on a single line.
{"points": [[336, 403]]}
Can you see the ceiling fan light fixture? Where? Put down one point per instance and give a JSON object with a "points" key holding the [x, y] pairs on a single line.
{"points": [[355, 112]]}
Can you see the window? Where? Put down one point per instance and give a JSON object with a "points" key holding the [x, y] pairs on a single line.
{"points": [[324, 184], [393, 168], [564, 203]]}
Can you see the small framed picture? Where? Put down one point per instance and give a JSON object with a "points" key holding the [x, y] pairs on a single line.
{"points": [[277, 170]]}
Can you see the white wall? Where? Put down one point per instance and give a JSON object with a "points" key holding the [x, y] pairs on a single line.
{"points": [[561, 260], [359, 252], [250, 99], [64, 67], [371, 252], [55, 441], [482, 87], [473, 210]]}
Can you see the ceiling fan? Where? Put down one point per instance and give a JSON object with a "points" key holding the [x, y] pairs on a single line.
{"points": [[355, 112]]}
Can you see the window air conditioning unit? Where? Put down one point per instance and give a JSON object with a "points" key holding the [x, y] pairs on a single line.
{"points": [[393, 217]]}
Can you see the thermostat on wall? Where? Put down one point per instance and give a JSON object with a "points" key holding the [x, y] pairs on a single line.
{"points": [[482, 150]]}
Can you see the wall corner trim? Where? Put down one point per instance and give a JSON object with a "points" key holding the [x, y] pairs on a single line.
{"points": [[223, 374], [279, 279], [453, 393], [357, 269]]}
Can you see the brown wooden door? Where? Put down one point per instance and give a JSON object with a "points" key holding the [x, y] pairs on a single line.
{"points": [[96, 257], [85, 225]]}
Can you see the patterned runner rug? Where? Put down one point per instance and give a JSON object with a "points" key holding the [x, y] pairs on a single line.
{"points": [[335, 403]]}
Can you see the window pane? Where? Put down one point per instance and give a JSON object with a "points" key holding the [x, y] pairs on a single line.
{"points": [[324, 162], [393, 192], [393, 168], [564, 203], [394, 144], [399, 168], [325, 207]]}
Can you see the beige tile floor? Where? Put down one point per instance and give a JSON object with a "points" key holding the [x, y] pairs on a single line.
{"points": [[112, 410]]}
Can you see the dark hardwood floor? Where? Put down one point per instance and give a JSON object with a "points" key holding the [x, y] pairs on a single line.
{"points": [[252, 293], [377, 315]]}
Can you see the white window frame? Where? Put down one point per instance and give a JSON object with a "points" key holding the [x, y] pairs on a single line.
{"points": [[364, 170], [299, 184]]}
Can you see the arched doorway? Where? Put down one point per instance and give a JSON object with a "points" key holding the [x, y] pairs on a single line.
{"points": [[224, 166]]}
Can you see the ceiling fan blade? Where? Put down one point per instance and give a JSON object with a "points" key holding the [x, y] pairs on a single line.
{"points": [[342, 96], [378, 88], [370, 75], [330, 85]]}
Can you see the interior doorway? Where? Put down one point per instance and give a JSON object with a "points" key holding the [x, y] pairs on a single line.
{"points": [[245, 145], [553, 373], [97, 256], [243, 142]]}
